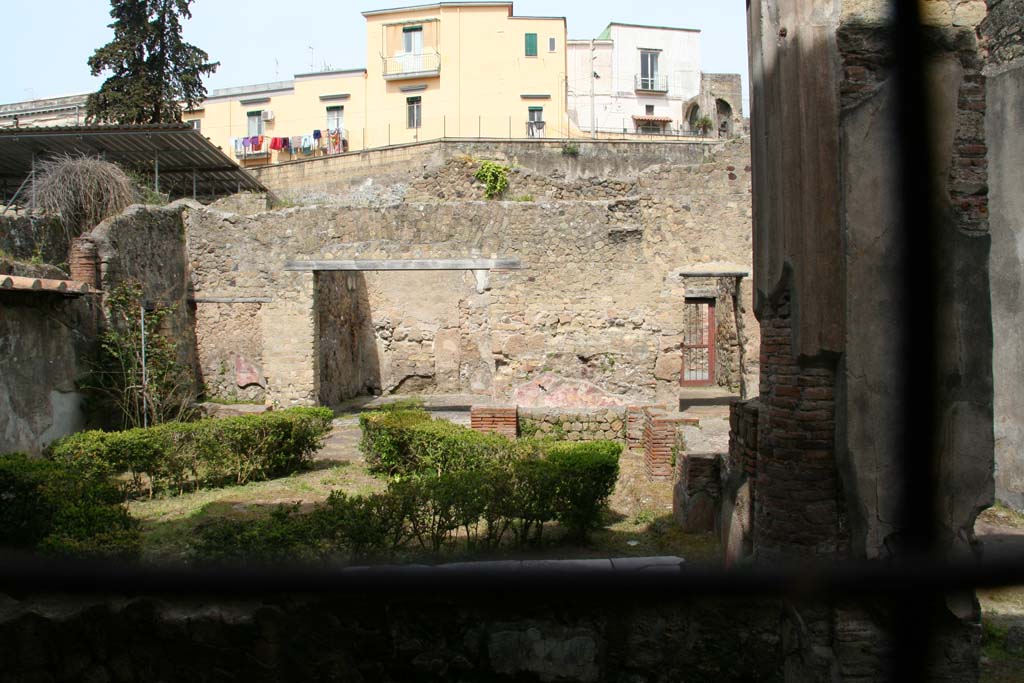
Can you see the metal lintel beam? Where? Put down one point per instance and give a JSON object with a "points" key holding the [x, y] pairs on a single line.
{"points": [[406, 264]]}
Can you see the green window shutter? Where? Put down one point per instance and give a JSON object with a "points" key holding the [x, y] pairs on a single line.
{"points": [[531, 44]]}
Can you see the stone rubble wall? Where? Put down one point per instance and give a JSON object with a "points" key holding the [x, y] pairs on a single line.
{"points": [[600, 299], [574, 424], [382, 177], [35, 238]]}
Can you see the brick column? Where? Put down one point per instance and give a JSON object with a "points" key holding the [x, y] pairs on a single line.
{"points": [[797, 502], [659, 441]]}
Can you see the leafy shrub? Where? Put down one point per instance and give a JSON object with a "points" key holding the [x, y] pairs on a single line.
{"points": [[494, 176], [208, 452], [586, 474], [386, 435], [571, 149], [534, 497], [441, 447], [479, 485], [138, 377], [56, 508], [284, 536], [366, 526]]}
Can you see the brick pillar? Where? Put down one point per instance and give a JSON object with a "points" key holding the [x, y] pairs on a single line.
{"points": [[635, 426], [659, 441], [84, 262], [797, 502], [500, 419]]}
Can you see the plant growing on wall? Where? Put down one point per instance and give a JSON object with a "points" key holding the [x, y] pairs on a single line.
{"points": [[153, 71], [494, 176], [703, 125], [137, 377]]}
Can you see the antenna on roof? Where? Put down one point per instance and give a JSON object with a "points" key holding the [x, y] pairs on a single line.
{"points": [[277, 69], [312, 62]]}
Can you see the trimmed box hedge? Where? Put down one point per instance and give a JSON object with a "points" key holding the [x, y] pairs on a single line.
{"points": [[213, 452], [51, 507], [447, 481]]}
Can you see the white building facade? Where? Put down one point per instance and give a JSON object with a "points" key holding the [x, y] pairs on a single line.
{"points": [[645, 80]]}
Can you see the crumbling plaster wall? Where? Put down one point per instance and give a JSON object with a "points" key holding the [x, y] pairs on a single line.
{"points": [[601, 298], [1003, 31], [828, 273], [826, 220], [45, 340]]}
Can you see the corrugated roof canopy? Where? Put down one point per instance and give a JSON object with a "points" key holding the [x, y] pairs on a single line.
{"points": [[184, 155]]}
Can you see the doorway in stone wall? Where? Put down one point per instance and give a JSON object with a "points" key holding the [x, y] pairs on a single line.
{"points": [[698, 343]]}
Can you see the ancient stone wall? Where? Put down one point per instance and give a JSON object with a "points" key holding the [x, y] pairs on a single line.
{"points": [[146, 245], [831, 292], [382, 177], [1003, 32], [600, 298], [591, 424], [33, 237], [45, 342]]}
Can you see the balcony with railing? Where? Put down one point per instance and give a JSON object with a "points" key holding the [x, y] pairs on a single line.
{"points": [[412, 65], [651, 83]]}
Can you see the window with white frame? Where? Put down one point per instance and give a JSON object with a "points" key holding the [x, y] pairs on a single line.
{"points": [[414, 112], [535, 122], [255, 122], [649, 69], [197, 124], [335, 118], [412, 40]]}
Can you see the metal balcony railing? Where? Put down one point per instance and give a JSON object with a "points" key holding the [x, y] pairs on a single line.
{"points": [[651, 83], [412, 65]]}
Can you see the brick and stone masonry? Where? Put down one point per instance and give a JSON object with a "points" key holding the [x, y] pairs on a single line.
{"points": [[660, 441], [500, 419], [797, 505]]}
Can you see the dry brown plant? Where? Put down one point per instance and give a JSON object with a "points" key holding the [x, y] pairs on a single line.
{"points": [[82, 191]]}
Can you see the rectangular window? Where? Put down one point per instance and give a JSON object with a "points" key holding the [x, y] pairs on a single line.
{"points": [[414, 113], [335, 118], [648, 69], [255, 122], [551, 44], [649, 110], [535, 122], [412, 40], [197, 124], [531, 44]]}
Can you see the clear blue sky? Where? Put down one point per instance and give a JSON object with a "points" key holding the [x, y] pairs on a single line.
{"points": [[259, 41]]}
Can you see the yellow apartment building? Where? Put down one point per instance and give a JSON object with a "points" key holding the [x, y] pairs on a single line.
{"points": [[447, 69], [450, 69], [464, 69], [331, 102]]}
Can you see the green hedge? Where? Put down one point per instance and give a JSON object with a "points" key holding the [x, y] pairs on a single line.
{"points": [[386, 435], [55, 508], [481, 496], [175, 455]]}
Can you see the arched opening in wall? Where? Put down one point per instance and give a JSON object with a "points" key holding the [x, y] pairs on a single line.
{"points": [[693, 115], [723, 111]]}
